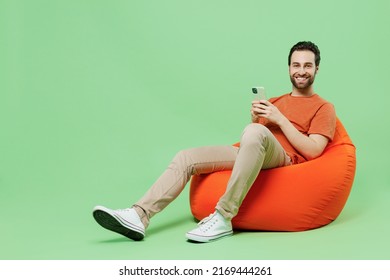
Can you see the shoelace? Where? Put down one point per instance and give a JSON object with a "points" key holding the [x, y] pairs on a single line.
{"points": [[123, 210], [203, 223]]}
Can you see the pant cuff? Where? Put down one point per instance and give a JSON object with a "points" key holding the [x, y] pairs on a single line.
{"points": [[142, 215]]}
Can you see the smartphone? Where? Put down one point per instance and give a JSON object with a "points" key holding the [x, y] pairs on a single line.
{"points": [[259, 93]]}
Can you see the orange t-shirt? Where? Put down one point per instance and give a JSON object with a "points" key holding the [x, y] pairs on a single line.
{"points": [[310, 115]]}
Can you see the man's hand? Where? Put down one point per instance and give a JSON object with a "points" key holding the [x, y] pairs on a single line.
{"points": [[265, 109]]}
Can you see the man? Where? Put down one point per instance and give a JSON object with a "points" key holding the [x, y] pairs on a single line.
{"points": [[286, 130]]}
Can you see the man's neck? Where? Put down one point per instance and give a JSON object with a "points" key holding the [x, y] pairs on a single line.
{"points": [[307, 92]]}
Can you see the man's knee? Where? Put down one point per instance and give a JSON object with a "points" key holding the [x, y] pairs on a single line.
{"points": [[255, 133], [181, 156], [183, 159]]}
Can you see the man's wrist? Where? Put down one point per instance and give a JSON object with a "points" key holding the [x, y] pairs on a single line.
{"points": [[283, 121]]}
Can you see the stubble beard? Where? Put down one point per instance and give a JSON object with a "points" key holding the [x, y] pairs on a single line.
{"points": [[306, 85]]}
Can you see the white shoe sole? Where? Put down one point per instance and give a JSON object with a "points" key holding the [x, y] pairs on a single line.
{"points": [[111, 222], [204, 239]]}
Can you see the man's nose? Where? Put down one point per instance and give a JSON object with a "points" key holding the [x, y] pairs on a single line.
{"points": [[302, 70]]}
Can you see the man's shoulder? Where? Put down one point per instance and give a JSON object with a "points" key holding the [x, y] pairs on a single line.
{"points": [[321, 99], [280, 97]]}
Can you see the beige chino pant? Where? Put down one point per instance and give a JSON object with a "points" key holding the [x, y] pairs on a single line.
{"points": [[258, 150]]}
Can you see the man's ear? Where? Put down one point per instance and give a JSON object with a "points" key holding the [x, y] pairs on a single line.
{"points": [[317, 68]]}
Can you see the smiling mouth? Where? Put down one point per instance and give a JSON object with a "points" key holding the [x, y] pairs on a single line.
{"points": [[301, 79]]}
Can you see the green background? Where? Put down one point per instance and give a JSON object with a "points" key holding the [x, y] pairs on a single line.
{"points": [[97, 96]]}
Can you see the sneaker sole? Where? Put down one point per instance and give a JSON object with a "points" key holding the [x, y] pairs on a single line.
{"points": [[109, 222], [205, 239]]}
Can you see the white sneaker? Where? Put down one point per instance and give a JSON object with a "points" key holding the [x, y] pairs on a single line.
{"points": [[123, 221], [211, 228]]}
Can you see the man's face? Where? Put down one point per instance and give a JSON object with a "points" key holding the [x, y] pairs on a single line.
{"points": [[302, 69]]}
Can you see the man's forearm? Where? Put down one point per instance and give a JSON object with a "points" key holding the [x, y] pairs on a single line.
{"points": [[308, 146]]}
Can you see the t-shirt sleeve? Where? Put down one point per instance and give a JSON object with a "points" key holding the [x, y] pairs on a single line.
{"points": [[324, 121]]}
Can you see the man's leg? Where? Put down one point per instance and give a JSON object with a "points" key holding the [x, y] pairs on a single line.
{"points": [[185, 164], [132, 222], [259, 149]]}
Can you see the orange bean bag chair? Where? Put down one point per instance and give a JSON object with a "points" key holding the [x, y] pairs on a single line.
{"points": [[292, 198]]}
